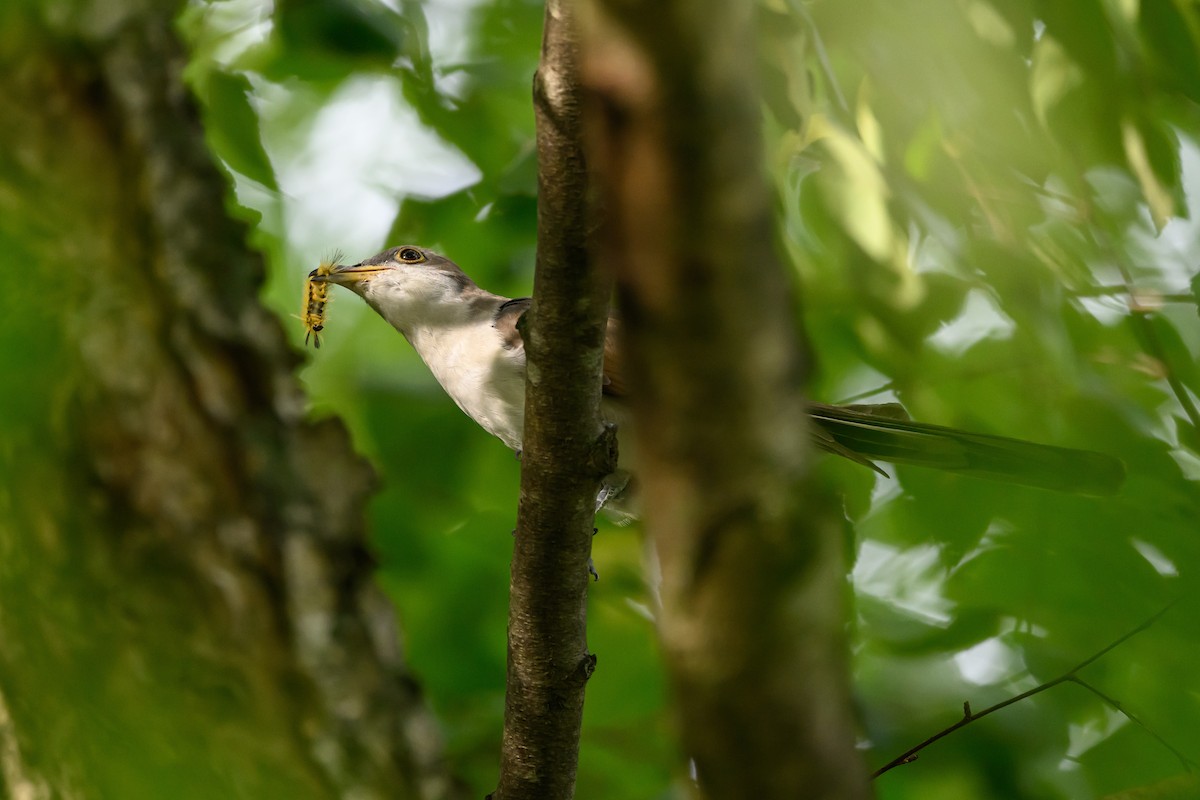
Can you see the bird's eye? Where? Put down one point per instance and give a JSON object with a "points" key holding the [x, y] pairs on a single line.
{"points": [[411, 255]]}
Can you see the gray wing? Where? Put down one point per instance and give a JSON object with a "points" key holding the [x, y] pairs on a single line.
{"points": [[505, 322], [509, 314]]}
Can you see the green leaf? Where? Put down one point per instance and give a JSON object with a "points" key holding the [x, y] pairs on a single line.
{"points": [[347, 30], [1086, 32], [326, 40], [233, 126], [1152, 150], [1170, 32]]}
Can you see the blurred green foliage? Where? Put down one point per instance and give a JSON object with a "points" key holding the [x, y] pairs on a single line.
{"points": [[987, 203]]}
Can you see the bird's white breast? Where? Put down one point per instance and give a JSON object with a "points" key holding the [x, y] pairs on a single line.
{"points": [[486, 380]]}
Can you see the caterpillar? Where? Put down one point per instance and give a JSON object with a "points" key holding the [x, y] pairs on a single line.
{"points": [[316, 297]]}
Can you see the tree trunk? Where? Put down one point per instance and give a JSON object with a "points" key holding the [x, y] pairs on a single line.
{"points": [[752, 581], [186, 605]]}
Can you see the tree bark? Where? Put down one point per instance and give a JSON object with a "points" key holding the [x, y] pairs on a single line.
{"points": [[566, 450], [752, 581], [186, 604]]}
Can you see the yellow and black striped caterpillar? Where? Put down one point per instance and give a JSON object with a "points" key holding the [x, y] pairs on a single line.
{"points": [[316, 297]]}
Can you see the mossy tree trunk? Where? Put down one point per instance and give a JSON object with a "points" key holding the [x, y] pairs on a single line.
{"points": [[186, 604]]}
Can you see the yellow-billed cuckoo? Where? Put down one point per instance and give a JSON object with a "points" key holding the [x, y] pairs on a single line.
{"points": [[469, 339]]}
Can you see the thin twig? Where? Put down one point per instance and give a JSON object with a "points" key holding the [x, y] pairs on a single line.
{"points": [[1134, 294], [1188, 764], [1153, 619], [1154, 345], [890, 386], [910, 755], [801, 10]]}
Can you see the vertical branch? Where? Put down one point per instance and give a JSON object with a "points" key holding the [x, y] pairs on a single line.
{"points": [[566, 450], [752, 581]]}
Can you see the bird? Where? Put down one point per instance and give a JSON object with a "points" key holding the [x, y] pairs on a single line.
{"points": [[470, 340]]}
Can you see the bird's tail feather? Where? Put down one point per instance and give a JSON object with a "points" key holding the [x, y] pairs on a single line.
{"points": [[883, 432]]}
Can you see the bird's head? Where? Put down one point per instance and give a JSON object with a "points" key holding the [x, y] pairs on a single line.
{"points": [[407, 285]]}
